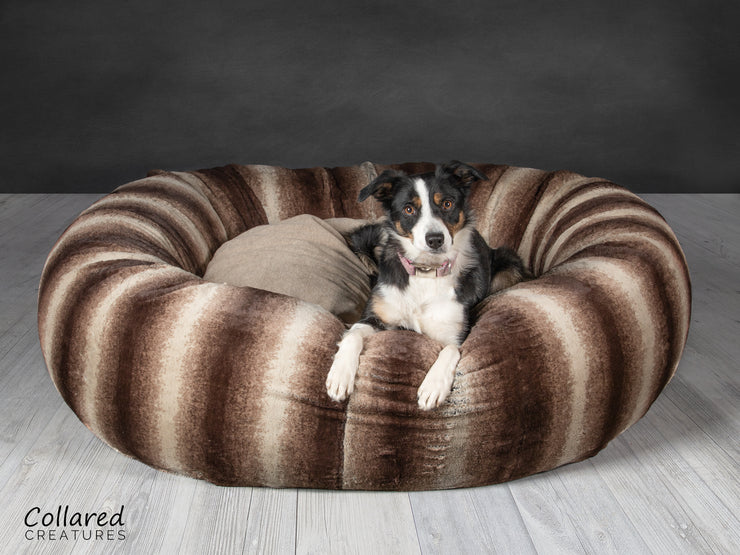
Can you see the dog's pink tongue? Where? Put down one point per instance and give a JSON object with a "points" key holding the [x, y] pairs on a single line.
{"points": [[408, 266], [442, 270]]}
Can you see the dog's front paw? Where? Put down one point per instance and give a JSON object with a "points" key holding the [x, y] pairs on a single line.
{"points": [[341, 380], [434, 391], [437, 384]]}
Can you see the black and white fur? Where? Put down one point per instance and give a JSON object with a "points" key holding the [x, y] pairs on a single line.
{"points": [[433, 267]]}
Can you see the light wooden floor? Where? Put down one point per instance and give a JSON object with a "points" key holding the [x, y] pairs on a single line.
{"points": [[669, 485]]}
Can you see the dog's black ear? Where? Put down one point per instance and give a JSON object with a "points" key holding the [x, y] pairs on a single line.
{"points": [[463, 175], [382, 187]]}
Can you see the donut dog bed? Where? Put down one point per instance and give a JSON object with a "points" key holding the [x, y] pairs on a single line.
{"points": [[225, 382]]}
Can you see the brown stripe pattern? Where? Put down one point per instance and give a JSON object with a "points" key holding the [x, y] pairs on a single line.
{"points": [[226, 384]]}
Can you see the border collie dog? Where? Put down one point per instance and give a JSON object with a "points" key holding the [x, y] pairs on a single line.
{"points": [[433, 267]]}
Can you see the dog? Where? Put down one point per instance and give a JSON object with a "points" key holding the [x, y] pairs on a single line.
{"points": [[433, 268]]}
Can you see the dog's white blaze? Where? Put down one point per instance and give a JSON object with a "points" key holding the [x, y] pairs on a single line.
{"points": [[427, 222]]}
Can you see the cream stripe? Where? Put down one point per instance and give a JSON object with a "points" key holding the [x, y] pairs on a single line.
{"points": [[544, 207], [266, 191], [275, 418], [506, 187], [604, 216], [184, 331], [96, 334], [169, 212], [185, 185], [575, 351], [195, 187], [627, 289], [168, 185], [58, 290], [189, 183], [122, 224], [678, 286], [563, 210]]}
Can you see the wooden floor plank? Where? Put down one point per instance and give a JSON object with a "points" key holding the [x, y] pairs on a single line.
{"points": [[337, 522], [550, 527], [28, 402], [701, 434], [487, 518], [217, 520], [599, 521], [711, 401], [700, 520], [271, 527]]}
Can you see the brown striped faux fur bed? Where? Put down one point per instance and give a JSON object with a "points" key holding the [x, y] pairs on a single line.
{"points": [[227, 384]]}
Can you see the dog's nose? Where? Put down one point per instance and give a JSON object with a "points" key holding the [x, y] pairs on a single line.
{"points": [[435, 240]]}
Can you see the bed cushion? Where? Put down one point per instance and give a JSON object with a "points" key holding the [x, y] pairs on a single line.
{"points": [[226, 383], [303, 257]]}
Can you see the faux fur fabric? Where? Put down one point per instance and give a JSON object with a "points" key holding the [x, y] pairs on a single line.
{"points": [[226, 383]]}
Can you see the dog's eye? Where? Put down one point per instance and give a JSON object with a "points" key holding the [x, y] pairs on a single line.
{"points": [[447, 204], [409, 210]]}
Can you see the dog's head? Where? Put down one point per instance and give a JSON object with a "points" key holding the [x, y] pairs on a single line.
{"points": [[426, 210]]}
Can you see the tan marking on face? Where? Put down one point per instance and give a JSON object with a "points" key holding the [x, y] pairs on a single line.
{"points": [[438, 198], [457, 226], [402, 232], [383, 190]]}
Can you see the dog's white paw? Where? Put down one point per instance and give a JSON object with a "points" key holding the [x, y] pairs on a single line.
{"points": [[341, 380], [433, 391], [437, 384]]}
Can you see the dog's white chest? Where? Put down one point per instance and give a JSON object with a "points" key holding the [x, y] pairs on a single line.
{"points": [[426, 305], [430, 290]]}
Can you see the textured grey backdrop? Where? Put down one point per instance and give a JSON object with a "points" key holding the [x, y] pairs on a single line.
{"points": [[96, 92]]}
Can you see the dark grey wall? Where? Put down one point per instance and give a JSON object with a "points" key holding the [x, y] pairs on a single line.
{"points": [[96, 92]]}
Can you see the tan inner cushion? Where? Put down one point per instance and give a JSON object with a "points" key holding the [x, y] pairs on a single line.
{"points": [[303, 257]]}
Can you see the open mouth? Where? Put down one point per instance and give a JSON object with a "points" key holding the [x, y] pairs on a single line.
{"points": [[431, 259], [415, 268]]}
